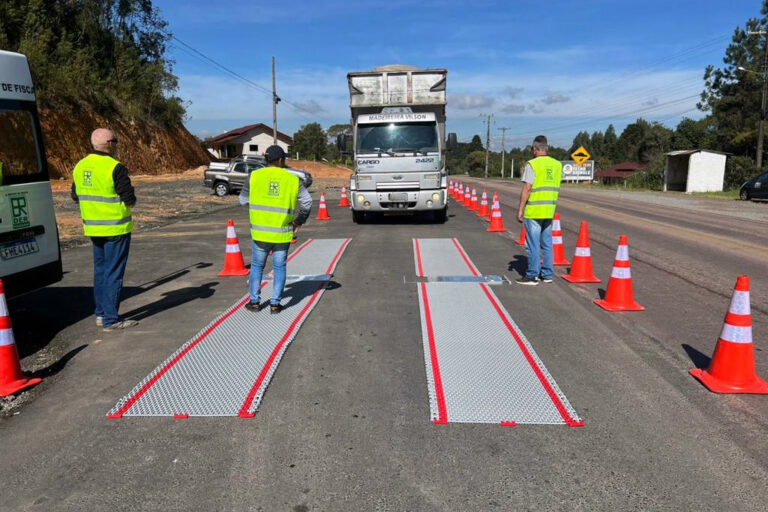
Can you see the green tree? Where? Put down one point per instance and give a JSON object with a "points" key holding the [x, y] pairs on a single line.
{"points": [[309, 142], [476, 144], [581, 139]]}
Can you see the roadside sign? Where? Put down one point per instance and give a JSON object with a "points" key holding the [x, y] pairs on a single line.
{"points": [[573, 171], [581, 155]]}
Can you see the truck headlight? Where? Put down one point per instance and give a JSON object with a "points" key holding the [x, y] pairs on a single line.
{"points": [[435, 196], [363, 178]]}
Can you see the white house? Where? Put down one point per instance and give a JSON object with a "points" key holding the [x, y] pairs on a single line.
{"points": [[253, 139], [696, 170]]}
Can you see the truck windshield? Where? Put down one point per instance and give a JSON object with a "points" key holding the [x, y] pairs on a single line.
{"points": [[19, 155], [396, 137]]}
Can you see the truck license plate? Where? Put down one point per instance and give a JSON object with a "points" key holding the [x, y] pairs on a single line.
{"points": [[398, 196], [20, 248]]}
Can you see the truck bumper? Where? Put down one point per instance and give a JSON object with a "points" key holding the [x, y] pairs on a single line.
{"points": [[398, 201]]}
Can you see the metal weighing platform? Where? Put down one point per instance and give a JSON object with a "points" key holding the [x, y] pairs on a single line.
{"points": [[225, 368], [480, 367]]}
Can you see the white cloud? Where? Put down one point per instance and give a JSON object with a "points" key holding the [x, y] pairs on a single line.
{"points": [[470, 101], [554, 97], [514, 108], [310, 106]]}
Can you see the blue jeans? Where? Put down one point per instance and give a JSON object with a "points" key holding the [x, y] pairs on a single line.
{"points": [[538, 242], [110, 255], [259, 253]]}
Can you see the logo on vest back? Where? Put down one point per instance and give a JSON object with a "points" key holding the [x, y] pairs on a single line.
{"points": [[274, 188], [87, 179]]}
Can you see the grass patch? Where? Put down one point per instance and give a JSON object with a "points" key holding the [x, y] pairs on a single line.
{"points": [[725, 194]]}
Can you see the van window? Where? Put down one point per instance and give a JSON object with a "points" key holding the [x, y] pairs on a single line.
{"points": [[19, 156]]}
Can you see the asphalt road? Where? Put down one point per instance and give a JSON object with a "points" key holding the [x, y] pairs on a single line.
{"points": [[345, 425]]}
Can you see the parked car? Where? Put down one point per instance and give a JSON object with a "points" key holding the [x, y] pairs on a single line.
{"points": [[756, 188], [230, 179]]}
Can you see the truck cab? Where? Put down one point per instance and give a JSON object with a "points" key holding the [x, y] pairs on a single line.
{"points": [[398, 122]]}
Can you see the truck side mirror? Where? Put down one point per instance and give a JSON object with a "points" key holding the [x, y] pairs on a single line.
{"points": [[452, 142], [341, 141]]}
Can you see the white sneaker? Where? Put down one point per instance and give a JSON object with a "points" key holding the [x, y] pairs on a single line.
{"points": [[99, 321], [122, 324]]}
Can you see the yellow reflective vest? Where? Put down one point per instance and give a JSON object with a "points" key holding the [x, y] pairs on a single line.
{"points": [[545, 189], [103, 213], [272, 201]]}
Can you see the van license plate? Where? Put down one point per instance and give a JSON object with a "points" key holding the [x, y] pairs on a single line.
{"points": [[398, 196], [20, 248]]}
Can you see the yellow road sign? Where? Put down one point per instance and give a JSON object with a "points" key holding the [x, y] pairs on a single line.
{"points": [[581, 155]]}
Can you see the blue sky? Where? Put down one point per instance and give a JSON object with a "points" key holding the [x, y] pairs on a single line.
{"points": [[553, 67]]}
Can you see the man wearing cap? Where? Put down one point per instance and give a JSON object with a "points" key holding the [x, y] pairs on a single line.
{"points": [[103, 189], [538, 200], [278, 204]]}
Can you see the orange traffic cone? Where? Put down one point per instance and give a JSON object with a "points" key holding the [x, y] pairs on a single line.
{"points": [[732, 368], [581, 269], [11, 379], [233, 258], [619, 296], [521, 240], [483, 211], [467, 197], [558, 251], [459, 192], [473, 201], [322, 211], [344, 200], [497, 224], [450, 188], [494, 200]]}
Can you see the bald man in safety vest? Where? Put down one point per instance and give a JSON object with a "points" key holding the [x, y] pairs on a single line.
{"points": [[538, 200], [104, 191]]}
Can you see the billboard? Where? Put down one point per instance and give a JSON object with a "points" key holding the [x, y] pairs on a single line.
{"points": [[574, 172]]}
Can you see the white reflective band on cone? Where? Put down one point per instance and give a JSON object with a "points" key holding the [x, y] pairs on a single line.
{"points": [[233, 247], [740, 303], [736, 334], [556, 225], [621, 273], [3, 306], [557, 240], [6, 337], [231, 232], [583, 251], [622, 253]]}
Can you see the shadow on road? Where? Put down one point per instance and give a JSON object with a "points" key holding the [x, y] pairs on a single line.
{"points": [[296, 292], [699, 359], [56, 367], [172, 299], [519, 264], [40, 315]]}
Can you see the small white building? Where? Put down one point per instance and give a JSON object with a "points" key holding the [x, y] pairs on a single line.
{"points": [[252, 139], [695, 170]]}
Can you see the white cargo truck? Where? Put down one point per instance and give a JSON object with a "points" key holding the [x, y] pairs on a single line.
{"points": [[29, 240], [398, 123]]}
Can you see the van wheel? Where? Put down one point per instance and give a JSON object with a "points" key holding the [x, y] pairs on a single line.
{"points": [[744, 194], [221, 188], [358, 217]]}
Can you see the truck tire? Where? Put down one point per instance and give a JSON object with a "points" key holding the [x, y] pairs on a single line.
{"points": [[221, 188], [358, 217], [441, 216]]}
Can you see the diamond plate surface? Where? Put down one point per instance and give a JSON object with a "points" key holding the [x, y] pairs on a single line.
{"points": [[215, 375], [439, 257], [486, 377]]}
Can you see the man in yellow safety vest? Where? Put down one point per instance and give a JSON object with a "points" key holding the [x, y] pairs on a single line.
{"points": [[278, 203], [104, 191], [538, 200]]}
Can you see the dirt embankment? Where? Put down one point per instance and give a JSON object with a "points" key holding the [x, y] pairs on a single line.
{"points": [[143, 148]]}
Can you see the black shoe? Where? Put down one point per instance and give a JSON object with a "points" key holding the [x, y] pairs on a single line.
{"points": [[545, 279], [276, 308], [528, 281], [254, 306]]}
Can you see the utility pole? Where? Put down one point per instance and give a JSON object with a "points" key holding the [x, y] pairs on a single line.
{"points": [[488, 118], [503, 132], [275, 101], [761, 132]]}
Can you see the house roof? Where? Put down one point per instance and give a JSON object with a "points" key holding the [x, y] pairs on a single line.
{"points": [[692, 151], [238, 132], [622, 170]]}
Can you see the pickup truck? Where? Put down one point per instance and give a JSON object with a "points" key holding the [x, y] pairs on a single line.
{"points": [[228, 178]]}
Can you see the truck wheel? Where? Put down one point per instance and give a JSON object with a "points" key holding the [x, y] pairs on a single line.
{"points": [[358, 217], [221, 188], [441, 216]]}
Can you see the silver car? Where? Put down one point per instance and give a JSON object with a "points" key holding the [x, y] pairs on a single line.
{"points": [[230, 179]]}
